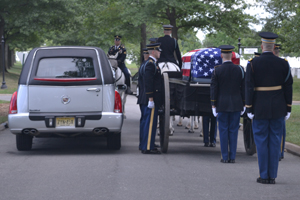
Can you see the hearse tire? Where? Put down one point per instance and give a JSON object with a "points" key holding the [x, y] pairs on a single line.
{"points": [[24, 142], [114, 141]]}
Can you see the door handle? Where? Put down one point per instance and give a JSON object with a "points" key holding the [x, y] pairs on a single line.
{"points": [[93, 89]]}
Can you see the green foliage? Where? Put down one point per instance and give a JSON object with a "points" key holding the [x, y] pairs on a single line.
{"points": [[285, 21], [292, 126]]}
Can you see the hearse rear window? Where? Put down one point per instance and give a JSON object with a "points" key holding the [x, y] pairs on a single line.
{"points": [[78, 67]]}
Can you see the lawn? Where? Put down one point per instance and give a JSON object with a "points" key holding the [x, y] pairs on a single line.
{"points": [[293, 126]]}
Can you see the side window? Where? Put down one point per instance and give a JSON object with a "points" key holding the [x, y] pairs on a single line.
{"points": [[75, 67]]}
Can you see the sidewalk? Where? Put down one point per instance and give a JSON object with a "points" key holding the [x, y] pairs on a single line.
{"points": [[291, 148]]}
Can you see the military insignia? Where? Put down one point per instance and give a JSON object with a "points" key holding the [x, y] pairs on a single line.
{"points": [[250, 59], [151, 61], [286, 60]]}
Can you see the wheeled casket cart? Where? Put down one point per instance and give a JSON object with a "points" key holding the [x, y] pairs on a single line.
{"points": [[188, 96]]}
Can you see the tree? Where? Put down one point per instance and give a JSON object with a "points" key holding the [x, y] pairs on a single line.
{"points": [[24, 23], [285, 21]]}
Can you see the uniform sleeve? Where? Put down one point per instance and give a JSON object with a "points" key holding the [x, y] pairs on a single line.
{"points": [[288, 89], [249, 88], [123, 55], [149, 78], [178, 55], [214, 89], [109, 51]]}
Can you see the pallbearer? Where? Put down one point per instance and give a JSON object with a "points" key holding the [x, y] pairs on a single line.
{"points": [[268, 101], [150, 99], [227, 95]]}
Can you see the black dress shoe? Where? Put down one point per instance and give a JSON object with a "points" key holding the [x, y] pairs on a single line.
{"points": [[231, 161], [212, 145], [223, 161], [156, 146], [206, 144], [151, 151], [272, 181], [263, 181]]}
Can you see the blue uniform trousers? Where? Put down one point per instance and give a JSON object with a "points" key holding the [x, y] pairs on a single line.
{"points": [[213, 129], [148, 125], [267, 137], [283, 140], [229, 123], [126, 74]]}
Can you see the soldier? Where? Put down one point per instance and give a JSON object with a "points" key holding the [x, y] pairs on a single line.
{"points": [[276, 53], [150, 98], [145, 58], [169, 47], [227, 95], [268, 102], [153, 40], [119, 48]]}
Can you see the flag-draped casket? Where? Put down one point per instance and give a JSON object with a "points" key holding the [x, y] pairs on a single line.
{"points": [[197, 67], [198, 64]]}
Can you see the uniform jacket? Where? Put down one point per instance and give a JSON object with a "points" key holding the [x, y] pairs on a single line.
{"points": [[227, 88], [122, 53], [168, 46], [150, 83], [268, 70]]}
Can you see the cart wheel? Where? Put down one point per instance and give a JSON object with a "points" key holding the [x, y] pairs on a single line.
{"points": [[249, 144], [164, 120]]}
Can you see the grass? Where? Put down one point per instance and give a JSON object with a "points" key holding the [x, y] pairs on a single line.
{"points": [[296, 89], [293, 126], [3, 111], [133, 68]]}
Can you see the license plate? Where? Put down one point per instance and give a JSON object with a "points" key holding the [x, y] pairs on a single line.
{"points": [[65, 121]]}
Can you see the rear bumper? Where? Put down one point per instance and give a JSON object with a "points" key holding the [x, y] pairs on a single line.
{"points": [[19, 122]]}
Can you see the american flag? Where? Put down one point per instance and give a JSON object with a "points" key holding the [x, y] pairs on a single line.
{"points": [[204, 61]]}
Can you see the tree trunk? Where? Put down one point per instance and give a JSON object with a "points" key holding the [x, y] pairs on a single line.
{"points": [[143, 42], [172, 18]]}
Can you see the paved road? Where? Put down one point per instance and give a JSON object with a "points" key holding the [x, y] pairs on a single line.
{"points": [[83, 168]]}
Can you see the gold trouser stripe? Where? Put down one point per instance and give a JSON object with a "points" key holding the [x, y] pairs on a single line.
{"points": [[150, 129], [289, 105], [268, 88], [248, 106]]}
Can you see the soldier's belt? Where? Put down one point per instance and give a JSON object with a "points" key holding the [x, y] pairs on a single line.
{"points": [[268, 88]]}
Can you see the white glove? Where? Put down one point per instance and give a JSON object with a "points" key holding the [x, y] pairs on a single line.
{"points": [[150, 104], [242, 112], [250, 115], [287, 116], [214, 110]]}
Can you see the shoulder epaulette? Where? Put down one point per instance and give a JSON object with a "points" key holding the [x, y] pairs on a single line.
{"points": [[150, 60], [250, 59], [217, 66], [286, 60]]}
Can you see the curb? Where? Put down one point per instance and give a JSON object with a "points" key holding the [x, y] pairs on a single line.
{"points": [[292, 148]]}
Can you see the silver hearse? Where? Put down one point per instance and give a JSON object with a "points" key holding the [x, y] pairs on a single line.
{"points": [[66, 92]]}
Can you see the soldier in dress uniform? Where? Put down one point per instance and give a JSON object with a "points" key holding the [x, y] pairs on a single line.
{"points": [[276, 53], [149, 99], [256, 54], [268, 102], [153, 40], [169, 47], [227, 99], [119, 48]]}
